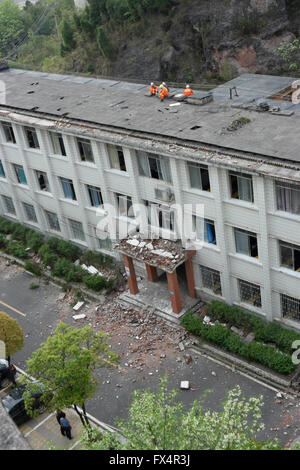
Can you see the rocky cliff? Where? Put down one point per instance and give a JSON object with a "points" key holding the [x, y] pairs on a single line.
{"points": [[208, 37]]}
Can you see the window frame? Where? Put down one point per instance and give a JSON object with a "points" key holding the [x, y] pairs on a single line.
{"points": [[8, 201], [90, 189], [43, 174], [7, 127], [35, 140], [279, 185], [240, 176], [2, 172], [81, 143], [60, 143], [293, 300], [128, 206], [257, 299], [250, 235], [19, 180], [207, 235], [68, 181], [293, 248], [49, 222], [73, 225], [201, 169], [213, 273], [31, 216]]}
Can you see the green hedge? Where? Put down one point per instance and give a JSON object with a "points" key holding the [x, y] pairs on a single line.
{"points": [[226, 339], [271, 332]]}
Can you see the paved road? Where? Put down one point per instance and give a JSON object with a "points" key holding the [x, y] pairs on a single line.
{"points": [[38, 312]]}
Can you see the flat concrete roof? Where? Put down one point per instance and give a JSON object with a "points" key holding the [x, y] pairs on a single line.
{"points": [[128, 106]]}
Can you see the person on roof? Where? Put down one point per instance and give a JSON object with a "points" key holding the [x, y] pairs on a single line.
{"points": [[153, 89], [188, 91], [164, 93]]}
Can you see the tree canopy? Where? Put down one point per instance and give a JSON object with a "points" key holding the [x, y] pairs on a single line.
{"points": [[11, 334], [156, 421], [64, 366]]}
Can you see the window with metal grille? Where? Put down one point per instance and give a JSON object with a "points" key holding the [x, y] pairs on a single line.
{"points": [[30, 212], [116, 156], [32, 138], [77, 230], [241, 186], [105, 244], [9, 205], [288, 197], [68, 188], [9, 133], [290, 256], [85, 150], [246, 243], [20, 174], [42, 180], [2, 172], [211, 280], [95, 196], [199, 176], [52, 220], [290, 307], [250, 293], [58, 146]]}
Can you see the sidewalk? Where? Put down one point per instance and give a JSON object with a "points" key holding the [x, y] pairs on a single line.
{"points": [[43, 433]]}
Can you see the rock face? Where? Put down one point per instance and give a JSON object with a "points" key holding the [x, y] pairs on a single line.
{"points": [[222, 37]]}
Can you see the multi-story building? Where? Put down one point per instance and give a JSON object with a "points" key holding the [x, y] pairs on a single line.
{"points": [[69, 146]]}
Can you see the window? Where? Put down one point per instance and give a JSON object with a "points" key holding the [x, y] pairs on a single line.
{"points": [[52, 220], [205, 230], [290, 256], [199, 176], [288, 197], [42, 180], [9, 205], [211, 280], [9, 133], [76, 230], [250, 293], [116, 157], [2, 172], [30, 212], [68, 188], [154, 166], [95, 196], [246, 242], [58, 145], [160, 216], [20, 174], [125, 205], [105, 244], [290, 307], [85, 150], [241, 186], [32, 138]]}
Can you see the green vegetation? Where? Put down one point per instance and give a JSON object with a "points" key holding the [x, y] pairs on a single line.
{"points": [[261, 350], [55, 253], [154, 419], [11, 334]]}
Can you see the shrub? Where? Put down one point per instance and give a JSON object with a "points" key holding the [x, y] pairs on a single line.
{"points": [[95, 283], [16, 249], [67, 270], [19, 232], [34, 240], [33, 267], [5, 225], [48, 256], [226, 339], [3, 241], [64, 248]]}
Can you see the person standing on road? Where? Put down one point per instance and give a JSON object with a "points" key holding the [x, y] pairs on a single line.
{"points": [[66, 427], [60, 414]]}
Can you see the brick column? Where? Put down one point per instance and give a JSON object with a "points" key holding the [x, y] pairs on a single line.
{"points": [[190, 278], [151, 273], [174, 292], [130, 274]]}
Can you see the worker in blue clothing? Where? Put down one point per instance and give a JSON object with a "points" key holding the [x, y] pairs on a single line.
{"points": [[66, 427]]}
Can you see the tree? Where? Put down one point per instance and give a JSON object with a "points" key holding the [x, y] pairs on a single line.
{"points": [[154, 421], [67, 33], [11, 25], [289, 52], [64, 367], [11, 334]]}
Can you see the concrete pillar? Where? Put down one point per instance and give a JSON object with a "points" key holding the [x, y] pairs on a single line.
{"points": [[130, 273], [174, 292], [190, 277], [151, 273]]}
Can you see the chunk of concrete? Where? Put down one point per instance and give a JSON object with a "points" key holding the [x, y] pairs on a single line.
{"points": [[80, 316], [78, 306], [185, 385]]}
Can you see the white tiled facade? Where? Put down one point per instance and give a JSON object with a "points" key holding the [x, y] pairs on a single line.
{"points": [[260, 217]]}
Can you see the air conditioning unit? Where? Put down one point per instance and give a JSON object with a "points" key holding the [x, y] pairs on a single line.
{"points": [[164, 194]]}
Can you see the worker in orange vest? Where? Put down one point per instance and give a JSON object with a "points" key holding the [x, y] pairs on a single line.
{"points": [[164, 93], [188, 91], [153, 89]]}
